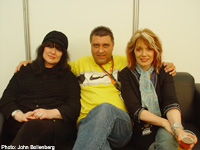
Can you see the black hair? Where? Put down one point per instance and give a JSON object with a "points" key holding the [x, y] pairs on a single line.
{"points": [[102, 31], [38, 64]]}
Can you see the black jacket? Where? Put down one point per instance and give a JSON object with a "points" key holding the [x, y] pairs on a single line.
{"points": [[165, 90], [27, 91]]}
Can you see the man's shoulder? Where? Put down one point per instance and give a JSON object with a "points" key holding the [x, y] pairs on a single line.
{"points": [[82, 59], [81, 64], [120, 61], [122, 57]]}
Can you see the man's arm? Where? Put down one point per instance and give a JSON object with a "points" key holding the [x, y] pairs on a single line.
{"points": [[25, 62], [169, 67]]}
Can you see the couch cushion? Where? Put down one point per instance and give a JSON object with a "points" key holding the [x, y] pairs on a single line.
{"points": [[185, 88]]}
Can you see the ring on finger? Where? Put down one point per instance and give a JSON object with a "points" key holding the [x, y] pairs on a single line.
{"points": [[40, 114]]}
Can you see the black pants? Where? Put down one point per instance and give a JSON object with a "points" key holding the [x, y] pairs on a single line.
{"points": [[39, 132], [35, 132]]}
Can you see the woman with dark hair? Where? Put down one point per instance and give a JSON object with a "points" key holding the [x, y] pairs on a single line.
{"points": [[42, 101], [149, 95]]}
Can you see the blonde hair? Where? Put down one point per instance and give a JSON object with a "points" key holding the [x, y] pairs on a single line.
{"points": [[153, 42]]}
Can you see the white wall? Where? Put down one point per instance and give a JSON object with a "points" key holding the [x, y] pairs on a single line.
{"points": [[177, 23], [75, 18], [12, 49]]}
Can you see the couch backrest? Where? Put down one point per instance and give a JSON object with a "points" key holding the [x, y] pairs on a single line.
{"points": [[185, 89]]}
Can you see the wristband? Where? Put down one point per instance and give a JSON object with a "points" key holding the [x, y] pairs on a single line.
{"points": [[15, 112], [176, 125]]}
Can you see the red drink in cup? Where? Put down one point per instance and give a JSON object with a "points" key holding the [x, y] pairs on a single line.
{"points": [[186, 140]]}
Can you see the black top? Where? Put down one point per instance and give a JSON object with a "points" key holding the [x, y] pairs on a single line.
{"points": [[27, 91], [165, 90]]}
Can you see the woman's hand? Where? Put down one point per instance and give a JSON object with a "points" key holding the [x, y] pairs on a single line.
{"points": [[22, 63], [38, 114], [167, 126], [180, 132], [169, 67], [47, 114], [21, 117]]}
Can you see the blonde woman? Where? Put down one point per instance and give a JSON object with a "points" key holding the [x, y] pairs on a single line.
{"points": [[149, 94]]}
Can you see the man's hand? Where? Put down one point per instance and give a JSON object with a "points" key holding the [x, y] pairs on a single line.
{"points": [[169, 67], [22, 63]]}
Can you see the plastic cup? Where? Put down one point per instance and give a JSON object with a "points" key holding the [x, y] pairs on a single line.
{"points": [[186, 140]]}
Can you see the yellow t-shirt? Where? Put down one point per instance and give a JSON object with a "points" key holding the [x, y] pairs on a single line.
{"points": [[96, 86]]}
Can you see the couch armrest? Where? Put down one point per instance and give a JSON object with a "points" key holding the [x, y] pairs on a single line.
{"points": [[197, 90], [185, 91], [1, 122], [197, 103]]}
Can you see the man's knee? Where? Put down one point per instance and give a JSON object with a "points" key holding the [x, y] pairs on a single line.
{"points": [[103, 109], [104, 106]]}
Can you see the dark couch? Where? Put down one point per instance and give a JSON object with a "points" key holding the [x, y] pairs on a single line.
{"points": [[188, 93]]}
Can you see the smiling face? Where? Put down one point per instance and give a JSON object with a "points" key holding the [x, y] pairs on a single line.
{"points": [[144, 54], [51, 56], [102, 47]]}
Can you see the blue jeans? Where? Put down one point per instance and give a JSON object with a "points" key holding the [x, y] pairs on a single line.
{"points": [[103, 127], [164, 141]]}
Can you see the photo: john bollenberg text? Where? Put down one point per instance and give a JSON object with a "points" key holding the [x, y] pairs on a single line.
{"points": [[28, 147]]}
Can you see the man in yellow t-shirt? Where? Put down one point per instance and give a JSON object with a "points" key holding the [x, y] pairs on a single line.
{"points": [[103, 122]]}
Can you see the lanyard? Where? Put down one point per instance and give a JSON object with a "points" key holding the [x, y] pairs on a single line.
{"points": [[112, 78]]}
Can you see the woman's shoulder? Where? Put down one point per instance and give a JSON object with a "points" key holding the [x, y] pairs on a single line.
{"points": [[125, 70], [164, 75], [162, 71], [24, 72], [69, 79], [124, 73], [25, 69], [69, 74]]}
